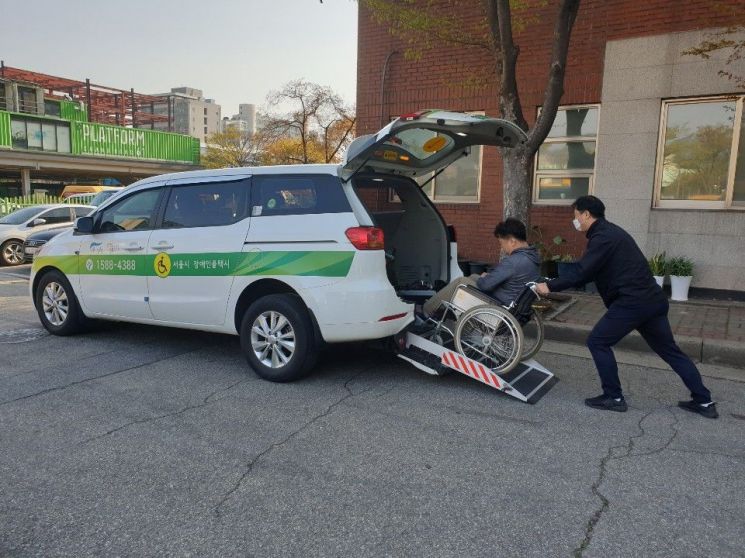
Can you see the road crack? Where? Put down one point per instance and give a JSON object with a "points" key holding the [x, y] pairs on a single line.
{"points": [[217, 510], [206, 401], [38, 370], [91, 379], [595, 487]]}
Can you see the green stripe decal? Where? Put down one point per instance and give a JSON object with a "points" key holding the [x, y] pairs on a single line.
{"points": [[277, 263]]}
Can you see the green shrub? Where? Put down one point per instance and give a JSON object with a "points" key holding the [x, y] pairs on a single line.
{"points": [[680, 267]]}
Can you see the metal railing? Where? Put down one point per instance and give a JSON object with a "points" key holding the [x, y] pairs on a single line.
{"points": [[11, 204]]}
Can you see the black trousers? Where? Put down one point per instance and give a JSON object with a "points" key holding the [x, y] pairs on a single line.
{"points": [[651, 322]]}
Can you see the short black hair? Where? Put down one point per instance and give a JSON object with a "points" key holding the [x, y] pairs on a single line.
{"points": [[511, 227], [591, 204]]}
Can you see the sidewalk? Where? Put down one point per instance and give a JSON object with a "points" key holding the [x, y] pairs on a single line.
{"points": [[709, 331]]}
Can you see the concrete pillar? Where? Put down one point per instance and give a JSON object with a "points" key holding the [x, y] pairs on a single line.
{"points": [[26, 182]]}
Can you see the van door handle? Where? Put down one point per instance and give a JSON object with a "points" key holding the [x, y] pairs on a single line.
{"points": [[162, 246], [133, 248]]}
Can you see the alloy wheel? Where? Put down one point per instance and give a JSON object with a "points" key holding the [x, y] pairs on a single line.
{"points": [[55, 304], [272, 339], [13, 253]]}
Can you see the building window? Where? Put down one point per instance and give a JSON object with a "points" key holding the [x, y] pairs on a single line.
{"points": [[701, 154], [205, 120], [205, 130], [18, 133], [459, 182], [33, 132], [27, 100], [3, 102], [565, 162], [40, 135], [52, 108], [205, 111]]}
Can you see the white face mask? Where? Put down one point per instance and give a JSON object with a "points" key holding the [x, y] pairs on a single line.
{"points": [[577, 224]]}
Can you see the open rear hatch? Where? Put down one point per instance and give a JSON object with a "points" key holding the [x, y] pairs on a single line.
{"points": [[417, 146], [427, 141]]}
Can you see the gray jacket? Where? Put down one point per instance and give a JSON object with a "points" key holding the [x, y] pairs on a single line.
{"points": [[506, 280]]}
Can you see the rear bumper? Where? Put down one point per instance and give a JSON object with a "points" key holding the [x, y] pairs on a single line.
{"points": [[358, 311]]}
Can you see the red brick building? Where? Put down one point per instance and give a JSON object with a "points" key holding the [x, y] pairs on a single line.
{"points": [[622, 51]]}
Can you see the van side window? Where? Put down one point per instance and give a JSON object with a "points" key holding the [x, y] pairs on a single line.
{"points": [[133, 213], [298, 195], [211, 204]]}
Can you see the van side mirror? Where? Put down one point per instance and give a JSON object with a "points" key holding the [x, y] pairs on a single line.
{"points": [[84, 225], [37, 222]]}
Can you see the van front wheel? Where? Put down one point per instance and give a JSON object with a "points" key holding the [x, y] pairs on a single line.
{"points": [[277, 338], [57, 305]]}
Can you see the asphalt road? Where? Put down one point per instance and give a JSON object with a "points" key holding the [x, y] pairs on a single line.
{"points": [[140, 441]]}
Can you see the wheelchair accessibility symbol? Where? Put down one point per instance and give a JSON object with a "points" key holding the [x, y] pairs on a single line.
{"points": [[162, 265]]}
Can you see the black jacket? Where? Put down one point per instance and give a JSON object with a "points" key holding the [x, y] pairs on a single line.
{"points": [[618, 267]]}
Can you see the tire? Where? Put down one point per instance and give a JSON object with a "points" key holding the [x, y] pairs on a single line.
{"points": [[268, 322], [11, 252], [491, 336], [533, 336], [57, 305]]}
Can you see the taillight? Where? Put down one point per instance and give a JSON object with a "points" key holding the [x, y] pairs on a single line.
{"points": [[366, 238], [413, 115]]}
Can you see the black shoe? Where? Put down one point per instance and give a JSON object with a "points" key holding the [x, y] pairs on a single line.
{"points": [[607, 403], [708, 410]]}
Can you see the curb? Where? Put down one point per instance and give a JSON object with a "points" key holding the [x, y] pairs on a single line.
{"points": [[705, 351]]}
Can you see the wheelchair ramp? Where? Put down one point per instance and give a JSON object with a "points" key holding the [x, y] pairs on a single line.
{"points": [[528, 381]]}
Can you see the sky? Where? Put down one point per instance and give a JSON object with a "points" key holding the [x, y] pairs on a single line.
{"points": [[234, 51]]}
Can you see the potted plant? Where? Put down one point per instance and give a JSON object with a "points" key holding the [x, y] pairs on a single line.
{"points": [[548, 260], [565, 263], [681, 272], [657, 267]]}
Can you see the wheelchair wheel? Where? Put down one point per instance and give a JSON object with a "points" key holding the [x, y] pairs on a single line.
{"points": [[490, 335], [533, 335]]}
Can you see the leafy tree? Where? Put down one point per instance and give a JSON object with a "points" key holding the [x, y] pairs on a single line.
{"points": [[425, 23], [233, 148], [288, 150], [730, 38]]}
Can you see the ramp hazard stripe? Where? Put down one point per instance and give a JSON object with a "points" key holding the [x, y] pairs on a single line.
{"points": [[471, 368]]}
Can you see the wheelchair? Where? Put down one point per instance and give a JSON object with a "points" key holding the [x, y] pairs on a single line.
{"points": [[482, 329]]}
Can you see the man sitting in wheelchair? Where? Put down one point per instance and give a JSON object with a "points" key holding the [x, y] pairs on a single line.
{"points": [[505, 281]]}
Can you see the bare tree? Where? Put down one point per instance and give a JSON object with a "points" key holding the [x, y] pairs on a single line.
{"points": [[316, 117]]}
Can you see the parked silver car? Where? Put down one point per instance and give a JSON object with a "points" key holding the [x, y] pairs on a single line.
{"points": [[16, 226]]}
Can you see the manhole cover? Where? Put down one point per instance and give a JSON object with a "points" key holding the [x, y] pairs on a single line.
{"points": [[21, 335]]}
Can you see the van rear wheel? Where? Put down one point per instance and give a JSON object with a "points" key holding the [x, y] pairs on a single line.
{"points": [[277, 338]]}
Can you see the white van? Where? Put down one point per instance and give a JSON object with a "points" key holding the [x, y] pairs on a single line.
{"points": [[287, 257]]}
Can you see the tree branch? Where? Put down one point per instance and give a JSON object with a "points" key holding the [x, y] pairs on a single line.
{"points": [[509, 97], [557, 69]]}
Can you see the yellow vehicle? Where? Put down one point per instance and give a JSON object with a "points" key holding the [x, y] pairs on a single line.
{"points": [[71, 189]]}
